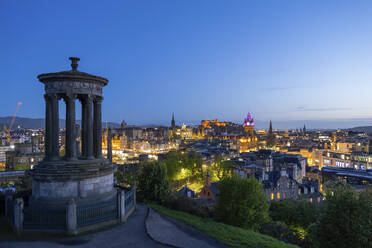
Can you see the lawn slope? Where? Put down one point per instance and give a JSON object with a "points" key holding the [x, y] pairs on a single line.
{"points": [[229, 235]]}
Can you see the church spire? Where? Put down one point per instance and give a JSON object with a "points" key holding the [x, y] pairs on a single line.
{"points": [[270, 139], [173, 123], [271, 128]]}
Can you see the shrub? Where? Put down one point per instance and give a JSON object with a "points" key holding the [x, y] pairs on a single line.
{"points": [[242, 203], [281, 231], [346, 220], [152, 183], [188, 205], [294, 213]]}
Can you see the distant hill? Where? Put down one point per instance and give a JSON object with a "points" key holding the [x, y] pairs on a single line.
{"points": [[366, 129], [36, 123]]}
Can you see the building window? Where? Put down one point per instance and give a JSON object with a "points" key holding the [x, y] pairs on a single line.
{"points": [[278, 195], [272, 196], [311, 200]]}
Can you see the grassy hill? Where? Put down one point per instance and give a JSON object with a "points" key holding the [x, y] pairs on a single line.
{"points": [[229, 235]]}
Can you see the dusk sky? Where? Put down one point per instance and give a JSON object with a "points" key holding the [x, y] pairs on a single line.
{"points": [[293, 62]]}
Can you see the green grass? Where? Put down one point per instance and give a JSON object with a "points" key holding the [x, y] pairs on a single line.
{"points": [[229, 235]]}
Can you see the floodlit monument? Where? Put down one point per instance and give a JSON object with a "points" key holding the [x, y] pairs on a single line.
{"points": [[72, 193]]}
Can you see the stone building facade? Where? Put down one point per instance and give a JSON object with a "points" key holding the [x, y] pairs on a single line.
{"points": [[23, 157]]}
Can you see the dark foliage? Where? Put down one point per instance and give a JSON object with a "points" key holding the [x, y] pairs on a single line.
{"points": [[153, 184], [242, 203], [346, 220], [188, 205], [281, 231], [294, 213]]}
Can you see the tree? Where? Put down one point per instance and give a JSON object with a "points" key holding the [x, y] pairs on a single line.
{"points": [[124, 179], [181, 165], [241, 202], [346, 220], [294, 213], [222, 168], [153, 184]]}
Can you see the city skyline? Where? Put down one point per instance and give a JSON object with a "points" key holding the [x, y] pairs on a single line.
{"points": [[291, 62]]}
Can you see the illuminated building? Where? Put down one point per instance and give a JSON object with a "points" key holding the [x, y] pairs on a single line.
{"points": [[248, 125], [248, 142], [211, 123], [183, 132]]}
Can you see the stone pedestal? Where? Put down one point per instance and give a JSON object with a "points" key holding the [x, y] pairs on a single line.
{"points": [[72, 179], [71, 216], [18, 215], [122, 205]]}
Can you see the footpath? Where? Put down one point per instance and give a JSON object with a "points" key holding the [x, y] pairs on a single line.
{"points": [[144, 228]]}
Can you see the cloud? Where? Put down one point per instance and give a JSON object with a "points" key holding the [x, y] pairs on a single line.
{"points": [[305, 109]]}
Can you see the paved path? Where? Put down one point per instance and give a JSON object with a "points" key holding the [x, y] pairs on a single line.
{"points": [[129, 234], [174, 233], [154, 231]]}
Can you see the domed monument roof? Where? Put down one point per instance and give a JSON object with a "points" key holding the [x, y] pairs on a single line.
{"points": [[72, 75], [73, 81]]}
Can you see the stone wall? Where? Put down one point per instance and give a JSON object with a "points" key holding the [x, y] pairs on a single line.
{"points": [[76, 188]]}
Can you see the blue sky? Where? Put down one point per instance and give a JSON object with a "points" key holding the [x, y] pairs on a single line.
{"points": [[288, 61]]}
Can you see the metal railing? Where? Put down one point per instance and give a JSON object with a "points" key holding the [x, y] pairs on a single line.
{"points": [[129, 199], [10, 209], [45, 217], [99, 212]]}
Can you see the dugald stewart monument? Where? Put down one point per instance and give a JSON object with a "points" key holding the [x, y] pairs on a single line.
{"points": [[74, 192]]}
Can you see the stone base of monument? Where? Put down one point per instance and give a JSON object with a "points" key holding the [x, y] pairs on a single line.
{"points": [[72, 197]]}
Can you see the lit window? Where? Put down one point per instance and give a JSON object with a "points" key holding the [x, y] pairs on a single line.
{"points": [[278, 195], [272, 196], [311, 200]]}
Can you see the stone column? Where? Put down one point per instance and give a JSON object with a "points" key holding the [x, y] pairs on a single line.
{"points": [[89, 127], [109, 145], [48, 127], [97, 128], [122, 205], [18, 215], [70, 127], [83, 126], [71, 216], [54, 126]]}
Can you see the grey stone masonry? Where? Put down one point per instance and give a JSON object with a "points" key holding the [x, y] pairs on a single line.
{"points": [[97, 127], [55, 126], [70, 127], [71, 216], [48, 127], [109, 145], [72, 85], [89, 127], [122, 205], [18, 215], [66, 190]]}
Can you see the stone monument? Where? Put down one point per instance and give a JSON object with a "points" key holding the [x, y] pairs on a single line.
{"points": [[74, 192], [89, 175]]}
